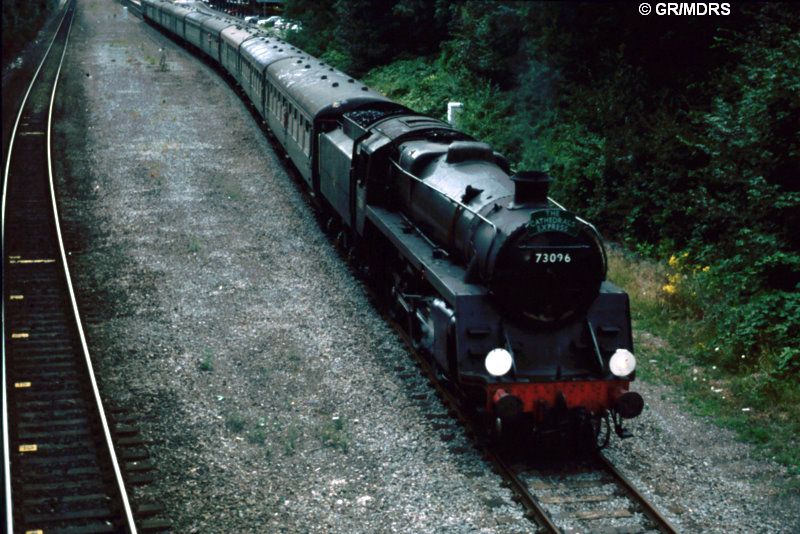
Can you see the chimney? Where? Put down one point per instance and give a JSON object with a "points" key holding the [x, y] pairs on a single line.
{"points": [[531, 187]]}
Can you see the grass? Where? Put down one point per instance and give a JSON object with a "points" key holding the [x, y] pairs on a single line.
{"points": [[229, 189], [254, 433], [207, 363], [334, 434], [670, 341], [235, 423], [194, 246], [257, 435], [291, 438]]}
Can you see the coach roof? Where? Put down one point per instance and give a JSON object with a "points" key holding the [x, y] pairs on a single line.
{"points": [[317, 87], [236, 35], [175, 10], [265, 50], [216, 24]]}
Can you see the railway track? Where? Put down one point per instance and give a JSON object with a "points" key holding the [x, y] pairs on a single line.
{"points": [[583, 495], [60, 469]]}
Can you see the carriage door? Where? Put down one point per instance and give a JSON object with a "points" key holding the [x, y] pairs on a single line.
{"points": [[285, 120]]}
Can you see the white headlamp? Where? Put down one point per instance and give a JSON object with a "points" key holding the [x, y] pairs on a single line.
{"points": [[622, 363], [498, 362]]}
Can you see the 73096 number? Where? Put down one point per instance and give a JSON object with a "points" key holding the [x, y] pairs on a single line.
{"points": [[553, 257]]}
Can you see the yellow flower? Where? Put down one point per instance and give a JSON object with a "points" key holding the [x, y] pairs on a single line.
{"points": [[673, 261], [669, 289], [706, 269]]}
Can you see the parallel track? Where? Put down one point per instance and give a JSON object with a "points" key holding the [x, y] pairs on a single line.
{"points": [[60, 470]]}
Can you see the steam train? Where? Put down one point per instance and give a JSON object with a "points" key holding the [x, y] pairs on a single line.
{"points": [[501, 287]]}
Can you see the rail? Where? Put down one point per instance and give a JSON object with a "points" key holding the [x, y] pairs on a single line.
{"points": [[36, 231]]}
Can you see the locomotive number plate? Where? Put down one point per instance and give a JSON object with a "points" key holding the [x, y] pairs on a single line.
{"points": [[553, 257]]}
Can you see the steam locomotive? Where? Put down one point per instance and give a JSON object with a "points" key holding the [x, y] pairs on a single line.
{"points": [[500, 286]]}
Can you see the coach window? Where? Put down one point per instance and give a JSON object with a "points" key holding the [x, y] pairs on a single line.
{"points": [[270, 98], [300, 131]]}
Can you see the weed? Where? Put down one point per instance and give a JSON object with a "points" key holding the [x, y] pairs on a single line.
{"points": [[334, 434], [194, 246], [229, 188], [207, 363], [290, 442], [235, 423], [257, 436]]}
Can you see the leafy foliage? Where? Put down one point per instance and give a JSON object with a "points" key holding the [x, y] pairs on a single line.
{"points": [[21, 21], [357, 35]]}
